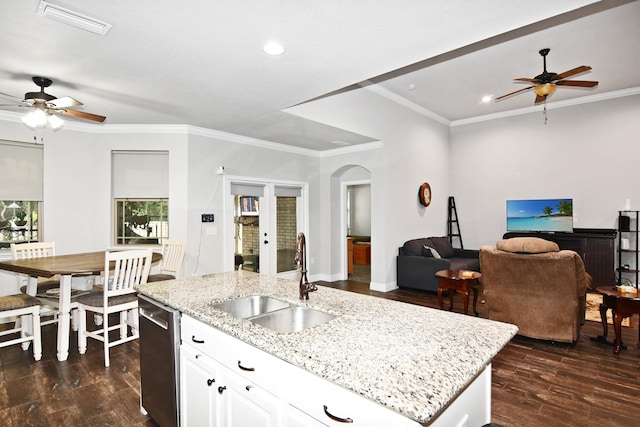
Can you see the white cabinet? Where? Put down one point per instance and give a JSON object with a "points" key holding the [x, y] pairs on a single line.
{"points": [[226, 382], [199, 403], [297, 418], [213, 395], [245, 404]]}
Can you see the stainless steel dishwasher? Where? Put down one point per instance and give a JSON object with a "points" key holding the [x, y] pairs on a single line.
{"points": [[159, 361]]}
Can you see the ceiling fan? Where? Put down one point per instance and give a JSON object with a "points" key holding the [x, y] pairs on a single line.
{"points": [[45, 107], [546, 83]]}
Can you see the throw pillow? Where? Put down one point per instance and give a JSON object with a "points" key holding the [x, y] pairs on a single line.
{"points": [[443, 246], [414, 247], [434, 253], [527, 245]]}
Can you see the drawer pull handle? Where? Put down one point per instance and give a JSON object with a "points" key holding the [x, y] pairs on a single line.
{"points": [[244, 368], [222, 388], [249, 387], [334, 418], [193, 338], [210, 381]]}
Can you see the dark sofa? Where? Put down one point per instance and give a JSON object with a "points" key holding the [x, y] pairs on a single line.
{"points": [[417, 266]]}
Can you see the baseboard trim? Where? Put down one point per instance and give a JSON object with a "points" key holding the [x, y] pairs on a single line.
{"points": [[383, 287]]}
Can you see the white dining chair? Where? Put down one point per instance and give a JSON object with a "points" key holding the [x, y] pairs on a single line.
{"points": [[122, 272], [25, 307], [49, 305], [35, 250], [171, 263]]}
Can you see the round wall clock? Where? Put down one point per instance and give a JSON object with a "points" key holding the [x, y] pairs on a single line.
{"points": [[425, 194]]}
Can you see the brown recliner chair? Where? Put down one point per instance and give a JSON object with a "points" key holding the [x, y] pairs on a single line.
{"points": [[531, 283]]}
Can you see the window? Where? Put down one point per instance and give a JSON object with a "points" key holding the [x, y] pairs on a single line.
{"points": [[21, 192], [140, 190], [18, 222], [141, 222]]}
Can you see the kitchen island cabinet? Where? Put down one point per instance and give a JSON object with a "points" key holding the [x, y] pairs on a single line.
{"points": [[408, 365]]}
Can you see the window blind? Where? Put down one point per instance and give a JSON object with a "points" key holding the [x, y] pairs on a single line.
{"points": [[21, 166], [242, 189], [287, 191], [140, 174]]}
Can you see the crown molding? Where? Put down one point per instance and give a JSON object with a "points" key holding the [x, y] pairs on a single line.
{"points": [[194, 130], [550, 106]]}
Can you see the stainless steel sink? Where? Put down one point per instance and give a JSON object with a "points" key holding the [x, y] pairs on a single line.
{"points": [[251, 306], [293, 319]]}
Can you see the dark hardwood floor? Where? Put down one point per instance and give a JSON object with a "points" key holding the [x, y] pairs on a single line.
{"points": [[77, 392], [535, 383]]}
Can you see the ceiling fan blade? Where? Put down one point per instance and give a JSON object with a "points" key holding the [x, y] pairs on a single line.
{"points": [[64, 102], [11, 96], [573, 72], [579, 83], [524, 79], [82, 115], [539, 99], [514, 93]]}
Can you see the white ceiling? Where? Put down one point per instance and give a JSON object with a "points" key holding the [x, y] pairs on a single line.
{"points": [[201, 63]]}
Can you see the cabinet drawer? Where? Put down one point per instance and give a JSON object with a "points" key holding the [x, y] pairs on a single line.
{"points": [[261, 368], [333, 405], [197, 335]]}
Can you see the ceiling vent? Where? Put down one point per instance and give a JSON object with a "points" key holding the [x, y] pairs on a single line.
{"points": [[72, 18]]}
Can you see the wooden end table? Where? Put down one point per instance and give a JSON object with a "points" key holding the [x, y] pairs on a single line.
{"points": [[622, 305], [460, 281]]}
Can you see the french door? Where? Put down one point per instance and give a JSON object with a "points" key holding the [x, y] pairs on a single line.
{"points": [[263, 221]]}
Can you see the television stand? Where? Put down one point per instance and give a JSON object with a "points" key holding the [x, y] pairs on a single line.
{"points": [[596, 247]]}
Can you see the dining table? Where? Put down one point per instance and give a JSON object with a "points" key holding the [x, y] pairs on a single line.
{"points": [[66, 266]]}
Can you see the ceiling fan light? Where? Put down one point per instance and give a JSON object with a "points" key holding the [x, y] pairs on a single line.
{"points": [[55, 122], [545, 89], [36, 118]]}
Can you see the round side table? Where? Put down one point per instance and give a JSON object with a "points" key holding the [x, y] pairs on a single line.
{"points": [[460, 281]]}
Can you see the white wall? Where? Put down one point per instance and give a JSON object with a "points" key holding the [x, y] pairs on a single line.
{"points": [[586, 152], [414, 149], [206, 192]]}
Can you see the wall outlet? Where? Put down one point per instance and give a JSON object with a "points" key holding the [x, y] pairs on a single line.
{"points": [[207, 217]]}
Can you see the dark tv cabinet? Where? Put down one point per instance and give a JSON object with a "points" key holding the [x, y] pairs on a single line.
{"points": [[596, 246]]}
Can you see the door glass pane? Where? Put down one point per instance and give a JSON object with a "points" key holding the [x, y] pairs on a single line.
{"points": [[286, 228], [247, 236]]}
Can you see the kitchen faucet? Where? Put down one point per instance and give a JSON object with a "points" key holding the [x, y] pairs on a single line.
{"points": [[300, 261]]}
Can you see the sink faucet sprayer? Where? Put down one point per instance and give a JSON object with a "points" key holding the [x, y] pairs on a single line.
{"points": [[301, 264]]}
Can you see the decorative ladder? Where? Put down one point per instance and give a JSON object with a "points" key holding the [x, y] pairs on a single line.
{"points": [[452, 222]]}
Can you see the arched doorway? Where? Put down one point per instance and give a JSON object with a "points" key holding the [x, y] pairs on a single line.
{"points": [[354, 234]]}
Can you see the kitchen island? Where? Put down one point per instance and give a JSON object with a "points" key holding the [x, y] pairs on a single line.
{"points": [[409, 359]]}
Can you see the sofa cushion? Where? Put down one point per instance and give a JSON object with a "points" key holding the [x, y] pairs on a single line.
{"points": [[472, 264], [528, 245], [428, 251], [443, 246], [415, 247]]}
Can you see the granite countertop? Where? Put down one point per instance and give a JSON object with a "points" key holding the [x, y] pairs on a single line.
{"points": [[408, 358]]}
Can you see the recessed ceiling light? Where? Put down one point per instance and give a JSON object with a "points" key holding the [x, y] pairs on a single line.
{"points": [[412, 86], [486, 99], [273, 48]]}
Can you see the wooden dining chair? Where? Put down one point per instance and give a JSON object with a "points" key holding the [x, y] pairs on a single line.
{"points": [[122, 272], [25, 307], [171, 263]]}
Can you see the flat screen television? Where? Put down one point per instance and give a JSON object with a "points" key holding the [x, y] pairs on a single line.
{"points": [[552, 215]]}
